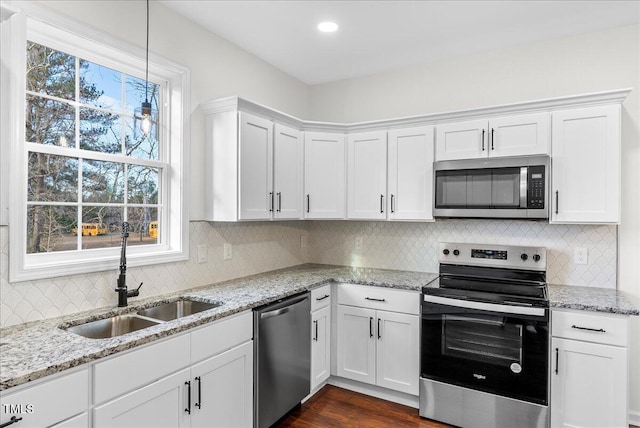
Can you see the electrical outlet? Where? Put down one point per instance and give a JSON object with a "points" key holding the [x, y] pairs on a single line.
{"points": [[202, 253], [358, 243], [581, 256], [228, 251]]}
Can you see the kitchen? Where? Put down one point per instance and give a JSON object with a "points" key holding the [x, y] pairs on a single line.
{"points": [[569, 65]]}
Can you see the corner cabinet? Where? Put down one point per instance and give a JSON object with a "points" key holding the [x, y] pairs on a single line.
{"points": [[585, 165], [324, 175], [589, 370]]}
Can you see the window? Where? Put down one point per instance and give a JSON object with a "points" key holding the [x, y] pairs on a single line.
{"points": [[87, 164]]}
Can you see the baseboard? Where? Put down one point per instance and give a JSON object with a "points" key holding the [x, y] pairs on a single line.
{"points": [[375, 391], [634, 417]]}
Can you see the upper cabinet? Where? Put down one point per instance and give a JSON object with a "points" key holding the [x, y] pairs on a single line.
{"points": [[324, 175], [518, 135], [254, 168], [367, 175], [585, 169]]}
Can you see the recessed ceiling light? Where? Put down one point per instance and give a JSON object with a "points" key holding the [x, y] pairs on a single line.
{"points": [[327, 27]]}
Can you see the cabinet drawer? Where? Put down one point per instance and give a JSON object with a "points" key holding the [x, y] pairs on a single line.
{"points": [[386, 299], [48, 402], [320, 297], [591, 327], [221, 335], [139, 367]]}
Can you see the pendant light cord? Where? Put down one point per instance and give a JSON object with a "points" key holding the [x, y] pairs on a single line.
{"points": [[146, 77]]}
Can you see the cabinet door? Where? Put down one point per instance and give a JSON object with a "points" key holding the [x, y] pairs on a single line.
{"points": [[287, 172], [410, 172], [367, 175], [320, 346], [222, 394], [462, 140], [255, 167], [160, 404], [80, 421], [324, 172], [525, 134], [586, 165], [398, 351], [356, 344], [589, 384]]}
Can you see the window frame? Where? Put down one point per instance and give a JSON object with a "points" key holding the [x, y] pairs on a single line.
{"points": [[94, 46]]}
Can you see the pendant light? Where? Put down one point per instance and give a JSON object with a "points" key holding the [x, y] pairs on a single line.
{"points": [[145, 114]]}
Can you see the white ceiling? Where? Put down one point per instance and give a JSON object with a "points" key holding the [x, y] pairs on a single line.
{"points": [[377, 36]]}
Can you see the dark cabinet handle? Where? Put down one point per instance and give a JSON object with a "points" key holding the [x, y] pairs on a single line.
{"points": [[370, 326], [11, 421], [483, 140], [492, 139], [598, 330], [315, 323], [308, 202], [279, 201], [392, 208], [557, 356], [381, 201], [379, 335], [188, 409], [556, 202], [271, 198], [375, 300], [198, 404], [326, 296]]}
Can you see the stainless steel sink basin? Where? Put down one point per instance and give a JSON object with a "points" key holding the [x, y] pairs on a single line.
{"points": [[112, 327], [174, 310]]}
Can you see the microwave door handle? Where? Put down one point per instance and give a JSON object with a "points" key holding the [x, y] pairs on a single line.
{"points": [[524, 185]]}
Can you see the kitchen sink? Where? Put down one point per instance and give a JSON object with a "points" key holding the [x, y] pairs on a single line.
{"points": [[174, 310], [112, 327]]}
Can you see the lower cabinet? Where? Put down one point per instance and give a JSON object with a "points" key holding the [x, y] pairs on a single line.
{"points": [[589, 370], [320, 346]]}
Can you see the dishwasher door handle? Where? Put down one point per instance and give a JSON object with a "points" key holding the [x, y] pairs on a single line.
{"points": [[282, 311]]}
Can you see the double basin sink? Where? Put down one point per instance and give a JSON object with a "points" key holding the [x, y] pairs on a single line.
{"points": [[123, 324]]}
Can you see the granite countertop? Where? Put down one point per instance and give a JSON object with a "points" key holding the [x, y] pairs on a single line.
{"points": [[33, 350]]}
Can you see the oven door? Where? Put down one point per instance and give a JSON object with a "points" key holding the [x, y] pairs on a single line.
{"points": [[499, 349]]}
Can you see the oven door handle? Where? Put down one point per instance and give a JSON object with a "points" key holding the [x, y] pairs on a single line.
{"points": [[492, 307]]}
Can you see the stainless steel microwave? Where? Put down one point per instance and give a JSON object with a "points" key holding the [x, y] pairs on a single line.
{"points": [[510, 187]]}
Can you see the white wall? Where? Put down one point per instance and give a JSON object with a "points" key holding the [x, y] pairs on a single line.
{"points": [[579, 64]]}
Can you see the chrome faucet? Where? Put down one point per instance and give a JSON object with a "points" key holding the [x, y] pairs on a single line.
{"points": [[121, 289]]}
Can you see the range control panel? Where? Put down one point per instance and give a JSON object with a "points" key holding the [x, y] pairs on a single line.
{"points": [[507, 256]]}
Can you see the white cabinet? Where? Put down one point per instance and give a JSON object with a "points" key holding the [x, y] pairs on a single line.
{"points": [[585, 165], [410, 174], [367, 175], [254, 168], [48, 402], [202, 378], [324, 175], [320, 336], [518, 135], [589, 370], [376, 346]]}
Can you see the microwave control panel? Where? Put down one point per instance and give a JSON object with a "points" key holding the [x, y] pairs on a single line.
{"points": [[536, 188]]}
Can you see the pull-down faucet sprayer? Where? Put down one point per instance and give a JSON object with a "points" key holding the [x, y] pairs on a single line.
{"points": [[121, 289]]}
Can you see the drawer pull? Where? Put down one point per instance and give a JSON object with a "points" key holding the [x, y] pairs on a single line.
{"points": [[322, 298], [599, 330], [11, 421], [375, 300]]}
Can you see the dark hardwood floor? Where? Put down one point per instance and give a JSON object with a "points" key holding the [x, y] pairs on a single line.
{"points": [[337, 407]]}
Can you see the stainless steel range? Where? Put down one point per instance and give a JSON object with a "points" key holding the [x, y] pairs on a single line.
{"points": [[485, 338]]}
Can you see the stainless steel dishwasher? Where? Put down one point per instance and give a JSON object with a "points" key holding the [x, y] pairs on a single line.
{"points": [[282, 345]]}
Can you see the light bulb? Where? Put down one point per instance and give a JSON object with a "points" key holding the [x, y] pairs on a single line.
{"points": [[146, 125]]}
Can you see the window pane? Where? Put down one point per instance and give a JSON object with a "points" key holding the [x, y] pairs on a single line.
{"points": [[143, 185], [102, 182], [143, 226], [137, 91], [52, 178], [139, 145], [51, 228], [100, 86], [49, 122], [100, 131], [101, 227], [50, 71]]}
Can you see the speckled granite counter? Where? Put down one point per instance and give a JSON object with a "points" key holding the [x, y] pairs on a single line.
{"points": [[34, 350]]}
